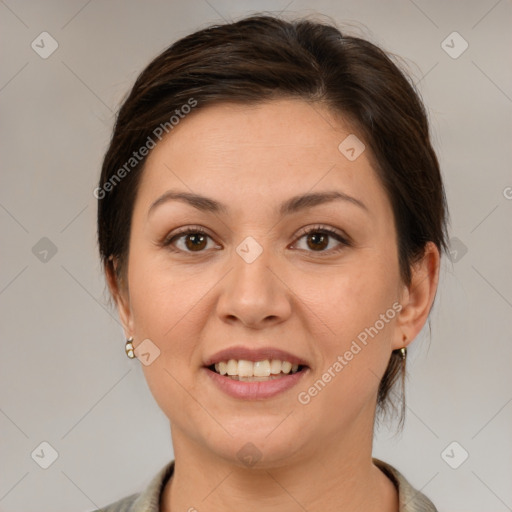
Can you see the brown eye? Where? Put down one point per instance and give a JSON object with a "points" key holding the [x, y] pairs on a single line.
{"points": [[189, 240], [319, 238], [195, 241], [318, 241]]}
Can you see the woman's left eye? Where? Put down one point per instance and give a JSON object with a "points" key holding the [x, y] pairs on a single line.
{"points": [[317, 240]]}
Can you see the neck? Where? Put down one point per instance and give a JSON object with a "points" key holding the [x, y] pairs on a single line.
{"points": [[337, 474]]}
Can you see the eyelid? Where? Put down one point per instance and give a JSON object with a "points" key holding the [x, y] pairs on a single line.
{"points": [[184, 231], [340, 236], [167, 241], [325, 229], [343, 239]]}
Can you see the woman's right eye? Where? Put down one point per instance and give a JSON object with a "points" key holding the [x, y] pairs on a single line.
{"points": [[193, 240]]}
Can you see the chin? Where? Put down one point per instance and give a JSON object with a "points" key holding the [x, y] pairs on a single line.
{"points": [[258, 447]]}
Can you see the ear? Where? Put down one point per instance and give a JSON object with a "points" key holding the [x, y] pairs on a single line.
{"points": [[120, 294], [418, 297]]}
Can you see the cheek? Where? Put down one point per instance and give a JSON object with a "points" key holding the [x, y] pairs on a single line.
{"points": [[355, 298], [164, 306], [162, 296], [357, 307]]}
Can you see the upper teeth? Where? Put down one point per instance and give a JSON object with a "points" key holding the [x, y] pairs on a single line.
{"points": [[244, 368]]}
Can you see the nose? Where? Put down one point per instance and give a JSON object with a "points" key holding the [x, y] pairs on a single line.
{"points": [[255, 293]]}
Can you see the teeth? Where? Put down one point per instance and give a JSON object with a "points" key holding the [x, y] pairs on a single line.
{"points": [[286, 367], [261, 368], [232, 367], [264, 369], [275, 366], [245, 368]]}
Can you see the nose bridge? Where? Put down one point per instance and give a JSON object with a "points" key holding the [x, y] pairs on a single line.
{"points": [[252, 276], [253, 293]]}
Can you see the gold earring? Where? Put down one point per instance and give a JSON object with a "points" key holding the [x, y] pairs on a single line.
{"points": [[403, 353], [129, 348]]}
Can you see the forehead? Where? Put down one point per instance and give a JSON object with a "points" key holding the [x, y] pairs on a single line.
{"points": [[263, 152]]}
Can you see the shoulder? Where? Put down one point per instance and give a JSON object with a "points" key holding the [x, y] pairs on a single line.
{"points": [[147, 500], [410, 500]]}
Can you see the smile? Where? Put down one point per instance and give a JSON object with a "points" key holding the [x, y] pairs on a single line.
{"points": [[249, 371], [253, 387]]}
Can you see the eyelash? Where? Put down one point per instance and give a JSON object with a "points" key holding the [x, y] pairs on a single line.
{"points": [[344, 242]]}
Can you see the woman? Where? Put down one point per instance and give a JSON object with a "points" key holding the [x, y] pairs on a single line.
{"points": [[271, 218]]}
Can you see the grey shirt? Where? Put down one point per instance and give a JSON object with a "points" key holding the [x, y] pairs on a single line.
{"points": [[148, 500]]}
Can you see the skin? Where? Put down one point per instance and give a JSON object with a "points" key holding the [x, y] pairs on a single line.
{"points": [[310, 301]]}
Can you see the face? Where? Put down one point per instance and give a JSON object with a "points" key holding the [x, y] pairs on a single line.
{"points": [[317, 279]]}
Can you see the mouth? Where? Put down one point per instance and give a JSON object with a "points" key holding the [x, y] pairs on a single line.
{"points": [[255, 371], [246, 373]]}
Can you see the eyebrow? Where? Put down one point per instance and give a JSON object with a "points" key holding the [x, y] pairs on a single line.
{"points": [[292, 205]]}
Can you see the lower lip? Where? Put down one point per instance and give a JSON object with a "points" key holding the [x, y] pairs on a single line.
{"points": [[255, 390]]}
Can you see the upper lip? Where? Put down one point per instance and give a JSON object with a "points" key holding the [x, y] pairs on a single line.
{"points": [[251, 354]]}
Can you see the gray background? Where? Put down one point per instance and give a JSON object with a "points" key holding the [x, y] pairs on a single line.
{"points": [[64, 376]]}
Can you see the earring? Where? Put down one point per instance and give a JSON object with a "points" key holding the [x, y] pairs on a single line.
{"points": [[129, 348], [403, 353]]}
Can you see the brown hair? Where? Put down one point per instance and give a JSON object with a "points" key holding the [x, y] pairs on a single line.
{"points": [[260, 58]]}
